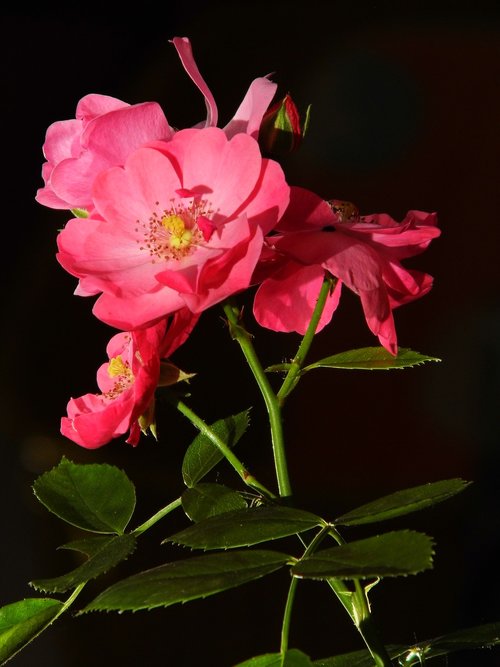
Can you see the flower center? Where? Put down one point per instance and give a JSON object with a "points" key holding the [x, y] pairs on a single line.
{"points": [[121, 372], [180, 237], [175, 232]]}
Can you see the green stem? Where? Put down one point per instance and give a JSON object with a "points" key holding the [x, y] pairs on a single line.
{"points": [[232, 459], [297, 362], [241, 335], [156, 517], [285, 628], [358, 607]]}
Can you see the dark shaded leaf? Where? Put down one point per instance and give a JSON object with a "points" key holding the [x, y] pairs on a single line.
{"points": [[481, 636], [96, 497], [371, 358], [202, 455], [246, 527], [292, 658], [393, 554], [205, 500], [21, 621], [356, 658], [186, 580], [403, 502], [104, 553]]}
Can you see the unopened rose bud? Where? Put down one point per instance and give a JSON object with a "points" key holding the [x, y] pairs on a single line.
{"points": [[281, 131], [170, 374]]}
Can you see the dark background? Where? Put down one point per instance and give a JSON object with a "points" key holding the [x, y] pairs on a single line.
{"points": [[405, 113]]}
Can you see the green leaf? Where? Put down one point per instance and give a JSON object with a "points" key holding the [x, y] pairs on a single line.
{"points": [[21, 621], [104, 553], [392, 554], [96, 497], [202, 455], [205, 500], [361, 658], [188, 579], [372, 358], [403, 502], [246, 527], [292, 658], [481, 636]]}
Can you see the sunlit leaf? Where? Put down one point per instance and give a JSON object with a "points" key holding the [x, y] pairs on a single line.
{"points": [[371, 358], [188, 579], [21, 621], [96, 497], [246, 527], [403, 502], [392, 554], [481, 636], [104, 553], [292, 658], [202, 455], [205, 500]]}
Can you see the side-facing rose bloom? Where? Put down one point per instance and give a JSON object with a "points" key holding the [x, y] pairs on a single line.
{"points": [[106, 130], [181, 224], [363, 254], [127, 384]]}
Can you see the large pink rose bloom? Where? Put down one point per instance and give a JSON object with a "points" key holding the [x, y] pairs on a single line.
{"points": [[181, 224], [104, 132], [127, 384], [364, 254]]}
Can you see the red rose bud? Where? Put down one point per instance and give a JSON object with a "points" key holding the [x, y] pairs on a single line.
{"points": [[281, 131]]}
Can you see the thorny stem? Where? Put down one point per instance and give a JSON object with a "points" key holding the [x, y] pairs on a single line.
{"points": [[205, 429], [156, 517], [297, 362], [241, 335], [285, 628], [358, 607]]}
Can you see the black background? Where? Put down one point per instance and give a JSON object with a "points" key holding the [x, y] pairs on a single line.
{"points": [[405, 111]]}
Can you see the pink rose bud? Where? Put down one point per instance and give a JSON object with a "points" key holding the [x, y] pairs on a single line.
{"points": [[281, 131]]}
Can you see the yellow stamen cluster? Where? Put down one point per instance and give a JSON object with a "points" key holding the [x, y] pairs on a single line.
{"points": [[120, 370], [180, 237], [172, 233]]}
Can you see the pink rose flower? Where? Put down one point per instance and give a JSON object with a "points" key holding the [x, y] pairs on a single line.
{"points": [[363, 253], [106, 130], [127, 384], [181, 224]]}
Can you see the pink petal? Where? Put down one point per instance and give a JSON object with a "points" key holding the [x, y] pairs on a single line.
{"points": [[229, 168], [94, 105], [135, 311], [179, 329], [147, 183], [378, 315], [285, 302], [270, 198], [183, 47], [248, 116], [62, 140], [306, 211]]}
